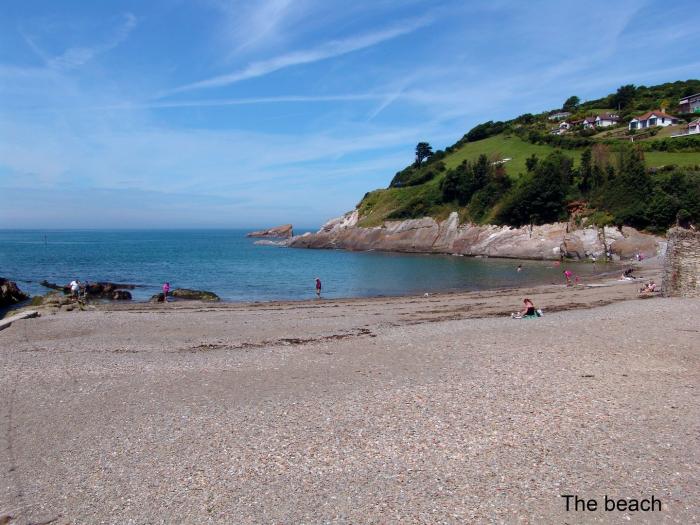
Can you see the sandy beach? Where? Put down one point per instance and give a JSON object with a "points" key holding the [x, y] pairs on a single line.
{"points": [[437, 409]]}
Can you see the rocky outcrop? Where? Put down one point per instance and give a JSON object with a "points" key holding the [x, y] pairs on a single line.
{"points": [[426, 235], [10, 293], [278, 232], [121, 295], [98, 290], [157, 298], [194, 295], [681, 277]]}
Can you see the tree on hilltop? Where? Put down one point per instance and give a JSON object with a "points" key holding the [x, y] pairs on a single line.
{"points": [[571, 103], [423, 151], [624, 96]]}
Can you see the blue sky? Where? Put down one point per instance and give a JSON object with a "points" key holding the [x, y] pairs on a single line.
{"points": [[216, 113]]}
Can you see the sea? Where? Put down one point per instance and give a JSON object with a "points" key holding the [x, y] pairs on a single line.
{"points": [[231, 265]]}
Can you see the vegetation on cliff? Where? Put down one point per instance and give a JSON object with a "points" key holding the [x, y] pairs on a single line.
{"points": [[520, 172]]}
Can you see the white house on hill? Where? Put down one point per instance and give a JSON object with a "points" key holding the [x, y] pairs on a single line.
{"points": [[559, 115], [589, 122], [605, 120], [694, 127], [651, 119]]}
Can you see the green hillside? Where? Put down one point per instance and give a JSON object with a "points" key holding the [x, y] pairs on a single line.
{"points": [[505, 146], [488, 173]]}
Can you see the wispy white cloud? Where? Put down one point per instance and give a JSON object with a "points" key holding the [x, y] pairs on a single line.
{"points": [[75, 57], [247, 101], [325, 51], [251, 25]]}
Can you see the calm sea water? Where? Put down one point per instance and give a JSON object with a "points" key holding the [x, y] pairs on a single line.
{"points": [[229, 264]]}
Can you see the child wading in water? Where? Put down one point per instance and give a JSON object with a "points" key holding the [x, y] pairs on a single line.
{"points": [[318, 287], [567, 276]]}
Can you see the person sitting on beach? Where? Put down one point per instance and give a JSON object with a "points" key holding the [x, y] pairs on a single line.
{"points": [[649, 287], [627, 275], [528, 312], [318, 287]]}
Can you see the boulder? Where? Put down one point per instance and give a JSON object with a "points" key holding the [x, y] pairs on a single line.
{"points": [[279, 232], [54, 286], [194, 295], [121, 295], [10, 293], [100, 290], [53, 299], [157, 298]]}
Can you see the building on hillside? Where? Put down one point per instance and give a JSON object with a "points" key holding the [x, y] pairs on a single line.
{"points": [[605, 120], [589, 122], [559, 115], [562, 128], [651, 119], [574, 123], [689, 104], [692, 128]]}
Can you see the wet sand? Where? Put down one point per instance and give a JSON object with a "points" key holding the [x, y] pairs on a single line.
{"points": [[437, 409]]}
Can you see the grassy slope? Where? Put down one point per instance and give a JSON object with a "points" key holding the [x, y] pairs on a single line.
{"points": [[378, 205], [507, 146]]}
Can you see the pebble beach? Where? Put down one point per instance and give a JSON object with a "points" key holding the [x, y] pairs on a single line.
{"points": [[424, 409]]}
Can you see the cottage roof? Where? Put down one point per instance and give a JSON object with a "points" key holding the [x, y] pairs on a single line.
{"points": [[688, 98], [656, 113], [695, 122], [608, 116]]}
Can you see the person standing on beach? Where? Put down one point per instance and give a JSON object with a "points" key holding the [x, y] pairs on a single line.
{"points": [[75, 288], [166, 290], [520, 268], [567, 275], [318, 287]]}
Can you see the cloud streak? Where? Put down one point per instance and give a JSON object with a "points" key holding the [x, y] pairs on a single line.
{"points": [[248, 101], [75, 57], [325, 51]]}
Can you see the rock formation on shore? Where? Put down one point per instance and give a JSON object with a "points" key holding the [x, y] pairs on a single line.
{"points": [[99, 290], [187, 294], [278, 232], [426, 235], [10, 293]]}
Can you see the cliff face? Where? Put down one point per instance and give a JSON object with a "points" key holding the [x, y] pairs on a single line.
{"points": [[550, 241]]}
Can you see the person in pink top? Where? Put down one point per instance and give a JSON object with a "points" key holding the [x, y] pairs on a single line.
{"points": [[166, 290], [567, 275]]}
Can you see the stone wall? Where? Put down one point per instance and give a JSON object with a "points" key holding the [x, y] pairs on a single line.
{"points": [[682, 264]]}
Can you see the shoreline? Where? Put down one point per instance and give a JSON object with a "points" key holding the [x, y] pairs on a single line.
{"points": [[452, 305], [651, 266], [612, 268]]}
